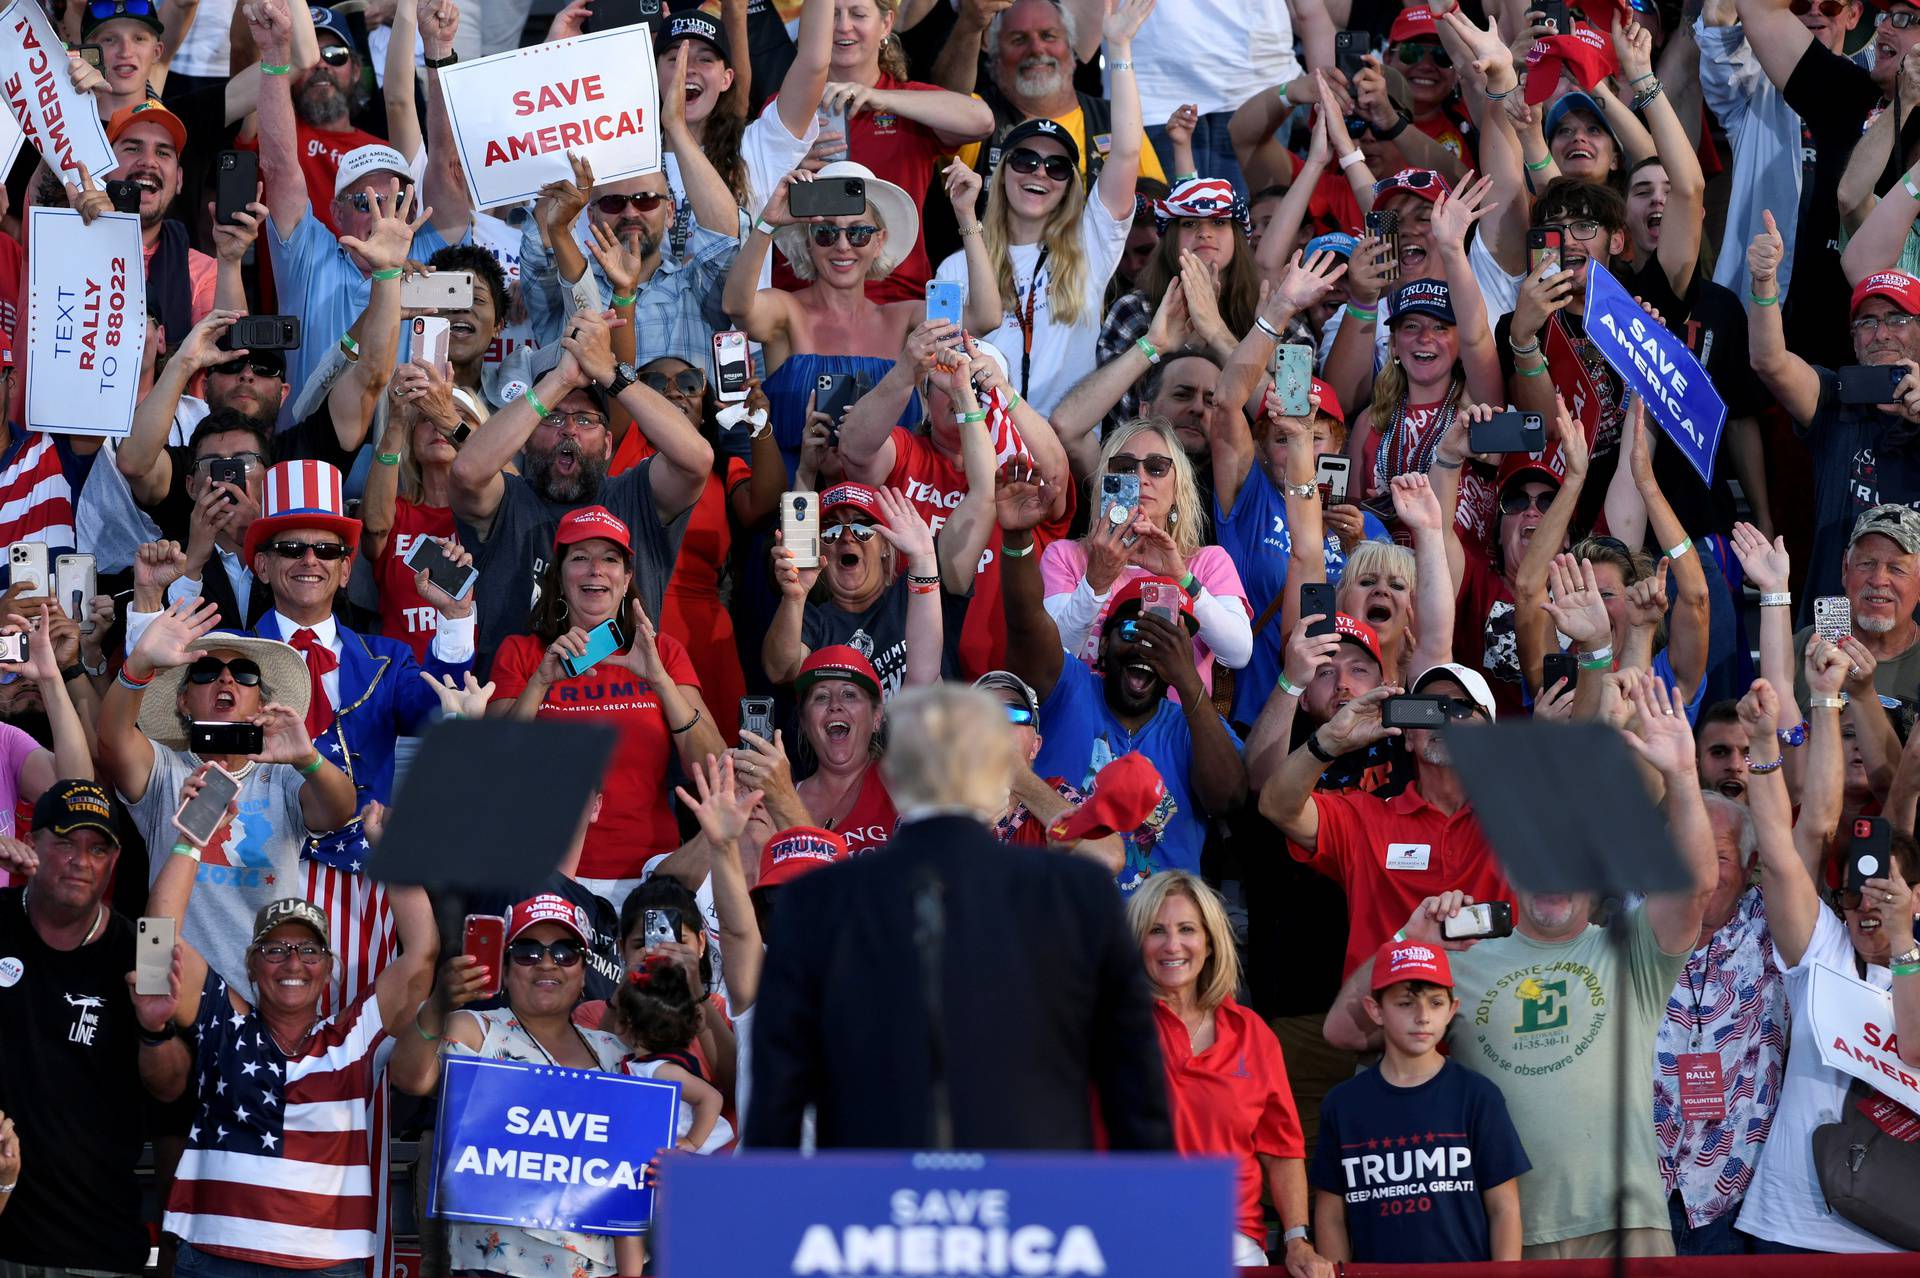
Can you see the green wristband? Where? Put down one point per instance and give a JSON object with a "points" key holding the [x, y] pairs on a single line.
{"points": [[308, 769], [390, 273], [1146, 348], [267, 70], [1539, 165], [1538, 370], [540, 410], [1764, 301], [1369, 317], [1906, 969], [621, 303], [387, 459]]}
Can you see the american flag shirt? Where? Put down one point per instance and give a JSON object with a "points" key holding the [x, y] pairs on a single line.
{"points": [[279, 1165]]}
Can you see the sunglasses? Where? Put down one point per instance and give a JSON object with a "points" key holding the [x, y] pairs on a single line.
{"points": [[857, 236], [101, 10], [326, 552], [1158, 465], [1456, 709], [280, 953], [690, 382], [1826, 8], [1412, 52], [615, 205], [1517, 503], [861, 532], [1022, 160], [209, 669], [335, 55], [1418, 180], [362, 201], [527, 953], [1020, 715], [260, 367]]}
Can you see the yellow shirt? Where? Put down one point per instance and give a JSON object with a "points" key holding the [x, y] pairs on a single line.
{"points": [[1074, 122]]}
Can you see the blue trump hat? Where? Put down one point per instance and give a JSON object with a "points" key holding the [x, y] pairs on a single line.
{"points": [[325, 19], [1422, 297], [1332, 242], [1575, 101]]}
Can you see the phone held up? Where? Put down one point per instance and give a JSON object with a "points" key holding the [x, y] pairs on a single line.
{"points": [[662, 927], [213, 738], [1479, 922], [1555, 666], [1543, 246], [153, 960], [730, 366], [756, 716], [603, 641], [1332, 472], [800, 528], [1833, 617], [1119, 498], [1384, 224], [1869, 853], [456, 580], [833, 197], [201, 815], [485, 939], [1316, 600]]}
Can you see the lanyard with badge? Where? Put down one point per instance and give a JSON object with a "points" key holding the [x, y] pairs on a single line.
{"points": [[1703, 1094], [1025, 320]]}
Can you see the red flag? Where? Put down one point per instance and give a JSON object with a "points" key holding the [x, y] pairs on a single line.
{"points": [[1570, 378], [1007, 443]]}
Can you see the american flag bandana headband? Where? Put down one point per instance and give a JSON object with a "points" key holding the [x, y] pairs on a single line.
{"points": [[1207, 199]]}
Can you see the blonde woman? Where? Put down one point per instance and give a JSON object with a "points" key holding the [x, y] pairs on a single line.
{"points": [[1162, 539], [1226, 1080], [1049, 248]]}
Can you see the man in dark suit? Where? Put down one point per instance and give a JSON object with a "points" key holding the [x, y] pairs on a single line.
{"points": [[1040, 1012]]}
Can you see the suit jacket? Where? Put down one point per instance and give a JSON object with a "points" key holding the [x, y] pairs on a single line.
{"points": [[1047, 1012], [216, 587]]}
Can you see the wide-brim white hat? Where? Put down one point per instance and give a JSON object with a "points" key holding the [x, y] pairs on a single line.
{"points": [[283, 678], [898, 215]]}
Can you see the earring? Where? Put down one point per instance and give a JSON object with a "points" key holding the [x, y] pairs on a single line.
{"points": [[1173, 518]]}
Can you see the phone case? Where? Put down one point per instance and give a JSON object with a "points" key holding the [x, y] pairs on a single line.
{"points": [[1833, 617], [485, 938], [830, 197], [1412, 712], [1543, 244], [74, 583], [800, 527], [236, 182], [216, 737], [1119, 498], [756, 716], [153, 959], [1160, 599], [730, 366], [602, 642], [943, 301], [429, 342], [1293, 379], [1317, 599], [1556, 666], [457, 581], [1332, 473], [27, 562], [200, 816], [440, 291]]}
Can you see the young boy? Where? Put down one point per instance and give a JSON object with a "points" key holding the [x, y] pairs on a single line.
{"points": [[1417, 1158]]}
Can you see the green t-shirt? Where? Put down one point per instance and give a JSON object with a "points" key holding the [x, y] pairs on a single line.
{"points": [[1536, 1019]]}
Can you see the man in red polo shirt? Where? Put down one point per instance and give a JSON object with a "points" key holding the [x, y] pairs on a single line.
{"points": [[1389, 854]]}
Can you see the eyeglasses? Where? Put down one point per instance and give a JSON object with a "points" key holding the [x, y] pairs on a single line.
{"points": [[1023, 160], [209, 669], [1413, 51], [1900, 21], [1517, 503], [1156, 465], [261, 367], [1845, 898], [857, 236], [203, 466], [1827, 8], [1020, 716], [615, 205], [1892, 321], [101, 10], [579, 421], [326, 552], [335, 55], [690, 382], [362, 201], [280, 952], [861, 532], [528, 953], [1584, 229]]}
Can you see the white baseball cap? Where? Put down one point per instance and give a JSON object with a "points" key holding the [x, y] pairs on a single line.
{"points": [[1473, 681], [372, 158]]}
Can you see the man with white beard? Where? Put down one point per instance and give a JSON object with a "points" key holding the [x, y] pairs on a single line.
{"points": [[1881, 578]]}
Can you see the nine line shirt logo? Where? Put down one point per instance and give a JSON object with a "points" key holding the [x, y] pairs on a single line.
{"points": [[1403, 1174]]}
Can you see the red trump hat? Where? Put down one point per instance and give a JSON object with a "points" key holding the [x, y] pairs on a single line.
{"points": [[1354, 630], [1399, 961], [1898, 287], [548, 907], [1586, 51], [795, 851], [1125, 793], [1414, 23], [589, 522]]}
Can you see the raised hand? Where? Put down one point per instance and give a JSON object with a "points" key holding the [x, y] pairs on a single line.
{"points": [[231, 243], [1664, 739], [1454, 214], [1307, 654], [201, 350], [1759, 711], [285, 736], [616, 257], [1633, 44], [443, 603], [722, 808], [461, 702], [1171, 324], [1545, 292], [1306, 282], [391, 236], [1415, 503], [1572, 438], [794, 582], [1367, 271], [1575, 603], [173, 637], [1020, 499], [1122, 23], [1180, 125], [570, 21], [963, 191], [1647, 598], [1826, 667], [1766, 252], [904, 529], [589, 339]]}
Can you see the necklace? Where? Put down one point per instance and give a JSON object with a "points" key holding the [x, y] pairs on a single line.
{"points": [[1400, 453], [289, 1052], [93, 929]]}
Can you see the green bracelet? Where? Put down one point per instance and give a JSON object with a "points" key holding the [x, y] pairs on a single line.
{"points": [[621, 303], [1146, 348], [387, 459], [1286, 685], [1533, 167], [1906, 969], [1016, 552], [308, 769], [967, 419], [390, 273], [267, 70], [1538, 370], [1369, 317], [1178, 178], [1764, 301], [540, 410]]}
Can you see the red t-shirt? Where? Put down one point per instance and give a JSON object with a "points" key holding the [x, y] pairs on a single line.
{"points": [[636, 820], [1483, 632], [1392, 854], [1331, 207], [320, 152], [869, 823], [1445, 130], [404, 615], [1232, 1099], [903, 153], [935, 486]]}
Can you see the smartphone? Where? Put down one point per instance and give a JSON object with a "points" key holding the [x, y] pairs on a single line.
{"points": [[1869, 854], [1316, 600], [430, 343], [730, 366], [756, 716], [1158, 599], [456, 579], [1293, 379], [1479, 922], [74, 584], [27, 562], [1333, 472], [1119, 498], [800, 527], [125, 196], [1543, 245], [834, 120], [1833, 617], [228, 470], [236, 184], [662, 927], [1870, 383], [943, 301], [603, 641], [440, 291], [13, 647], [1553, 13], [1350, 49], [98, 61], [485, 938], [1508, 432], [263, 333], [201, 815], [1385, 223], [205, 737], [828, 197], [1556, 666], [1414, 711], [834, 394], [153, 960]]}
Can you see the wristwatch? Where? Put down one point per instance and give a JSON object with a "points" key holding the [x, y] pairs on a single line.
{"points": [[1901, 960], [624, 375], [1318, 751], [1399, 127], [436, 63], [1794, 736], [1302, 491]]}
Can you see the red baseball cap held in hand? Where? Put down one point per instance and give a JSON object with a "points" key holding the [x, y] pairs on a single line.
{"points": [[1586, 51], [795, 851], [1125, 793], [1400, 961], [1130, 594]]}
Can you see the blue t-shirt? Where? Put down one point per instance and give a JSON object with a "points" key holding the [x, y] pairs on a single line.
{"points": [[1412, 1162], [1080, 736], [1255, 534]]}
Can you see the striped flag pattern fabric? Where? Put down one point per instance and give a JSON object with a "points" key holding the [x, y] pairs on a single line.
{"points": [[36, 501], [1007, 441], [280, 1163], [301, 486]]}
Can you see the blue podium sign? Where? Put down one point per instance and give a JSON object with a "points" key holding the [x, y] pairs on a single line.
{"points": [[543, 1147], [936, 1214]]}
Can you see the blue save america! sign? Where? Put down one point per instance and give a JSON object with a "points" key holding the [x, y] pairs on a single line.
{"points": [[934, 1214], [548, 1148], [1657, 366]]}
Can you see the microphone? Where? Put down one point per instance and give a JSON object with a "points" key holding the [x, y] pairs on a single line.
{"points": [[929, 938]]}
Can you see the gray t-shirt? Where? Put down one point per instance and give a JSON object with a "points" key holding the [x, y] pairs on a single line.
{"points": [[1892, 677], [514, 556], [254, 860]]}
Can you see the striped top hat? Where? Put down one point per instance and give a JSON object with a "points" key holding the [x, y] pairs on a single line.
{"points": [[302, 494]]}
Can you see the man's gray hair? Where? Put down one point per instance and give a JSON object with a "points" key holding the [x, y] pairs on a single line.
{"points": [[1068, 25], [949, 746], [1740, 816]]}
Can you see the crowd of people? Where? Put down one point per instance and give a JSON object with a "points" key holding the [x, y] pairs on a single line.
{"points": [[1186, 490]]}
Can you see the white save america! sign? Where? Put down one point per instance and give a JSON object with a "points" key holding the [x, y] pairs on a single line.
{"points": [[62, 123], [1853, 1023]]}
